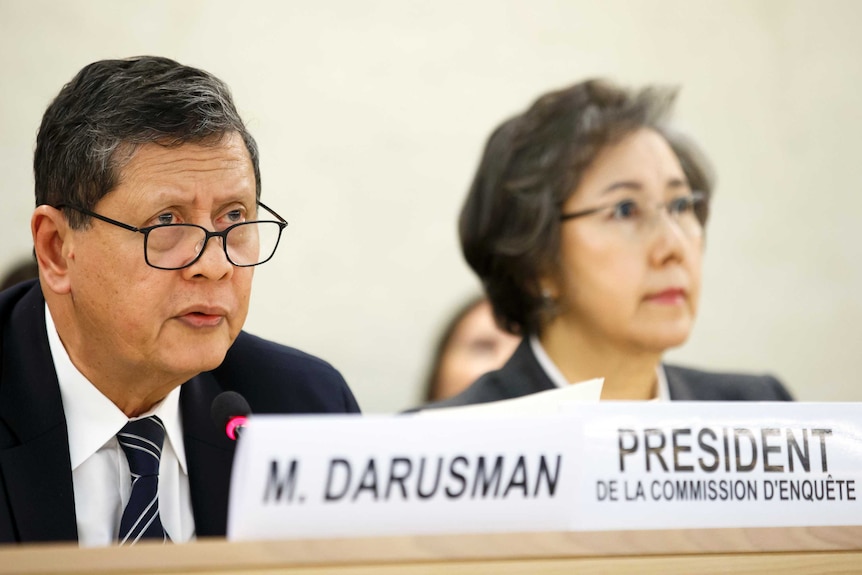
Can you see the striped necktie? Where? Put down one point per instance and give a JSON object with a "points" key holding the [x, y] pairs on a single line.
{"points": [[142, 442]]}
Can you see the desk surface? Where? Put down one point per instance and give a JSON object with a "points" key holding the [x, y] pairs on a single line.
{"points": [[786, 550]]}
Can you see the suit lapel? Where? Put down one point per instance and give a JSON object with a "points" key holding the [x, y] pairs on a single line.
{"points": [[522, 374], [677, 386], [209, 454], [34, 445], [38, 480]]}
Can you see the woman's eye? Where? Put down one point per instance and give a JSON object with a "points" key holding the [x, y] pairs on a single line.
{"points": [[482, 346], [163, 219], [626, 210], [681, 206]]}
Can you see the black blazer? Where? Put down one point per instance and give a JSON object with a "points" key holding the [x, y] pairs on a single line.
{"points": [[36, 496], [522, 375]]}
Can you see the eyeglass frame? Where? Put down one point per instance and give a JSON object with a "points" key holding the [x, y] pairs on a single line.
{"points": [[697, 198], [282, 223]]}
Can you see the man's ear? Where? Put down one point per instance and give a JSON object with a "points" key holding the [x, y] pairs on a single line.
{"points": [[52, 241]]}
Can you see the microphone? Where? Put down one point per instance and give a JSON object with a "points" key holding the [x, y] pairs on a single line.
{"points": [[229, 410]]}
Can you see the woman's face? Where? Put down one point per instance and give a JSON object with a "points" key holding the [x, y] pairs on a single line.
{"points": [[629, 276]]}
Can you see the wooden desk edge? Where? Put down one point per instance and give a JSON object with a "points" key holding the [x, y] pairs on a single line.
{"points": [[218, 554]]}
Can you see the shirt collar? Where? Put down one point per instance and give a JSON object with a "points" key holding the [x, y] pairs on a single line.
{"points": [[662, 391], [551, 369], [91, 418], [557, 377]]}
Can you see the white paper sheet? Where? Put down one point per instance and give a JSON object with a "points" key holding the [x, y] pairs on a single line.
{"points": [[550, 401]]}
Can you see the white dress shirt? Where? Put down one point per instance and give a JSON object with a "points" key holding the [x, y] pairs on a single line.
{"points": [[100, 471], [556, 376]]}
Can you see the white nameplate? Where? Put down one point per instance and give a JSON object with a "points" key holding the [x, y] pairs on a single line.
{"points": [[349, 476], [604, 466], [708, 464]]}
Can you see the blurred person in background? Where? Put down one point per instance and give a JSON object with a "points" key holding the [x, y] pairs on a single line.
{"points": [[586, 225], [470, 345]]}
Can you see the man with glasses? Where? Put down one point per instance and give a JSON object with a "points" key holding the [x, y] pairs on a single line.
{"points": [[147, 229]]}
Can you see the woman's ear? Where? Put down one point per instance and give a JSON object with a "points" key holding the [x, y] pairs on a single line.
{"points": [[549, 292], [549, 289], [52, 242]]}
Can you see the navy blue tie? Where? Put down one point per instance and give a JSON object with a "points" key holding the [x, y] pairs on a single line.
{"points": [[142, 442]]}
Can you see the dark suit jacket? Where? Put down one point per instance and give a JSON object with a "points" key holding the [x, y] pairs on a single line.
{"points": [[522, 375], [36, 497]]}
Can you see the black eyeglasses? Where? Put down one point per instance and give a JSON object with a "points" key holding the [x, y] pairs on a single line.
{"points": [[177, 246]]}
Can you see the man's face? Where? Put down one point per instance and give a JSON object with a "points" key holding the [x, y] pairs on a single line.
{"points": [[135, 318]]}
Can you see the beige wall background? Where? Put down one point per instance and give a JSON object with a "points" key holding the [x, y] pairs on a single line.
{"points": [[371, 116]]}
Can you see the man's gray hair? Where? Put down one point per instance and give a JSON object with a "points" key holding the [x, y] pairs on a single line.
{"points": [[110, 108]]}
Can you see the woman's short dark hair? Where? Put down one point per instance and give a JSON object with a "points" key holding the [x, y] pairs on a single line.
{"points": [[110, 108], [532, 163]]}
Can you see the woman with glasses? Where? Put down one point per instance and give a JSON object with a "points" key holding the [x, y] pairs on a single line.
{"points": [[586, 224]]}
